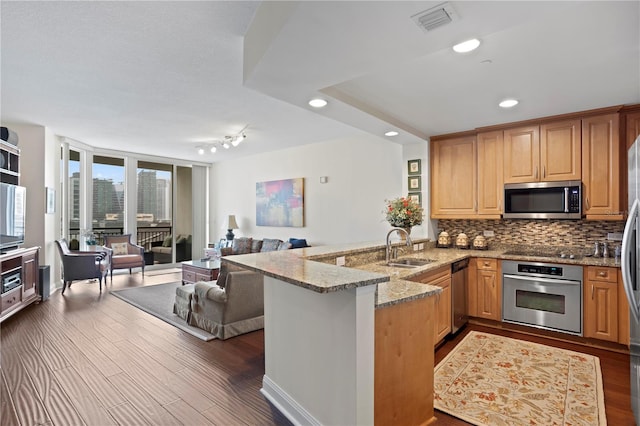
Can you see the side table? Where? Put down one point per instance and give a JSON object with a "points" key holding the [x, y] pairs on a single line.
{"points": [[198, 270]]}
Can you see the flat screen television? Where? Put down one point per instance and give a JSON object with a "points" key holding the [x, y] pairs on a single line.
{"points": [[13, 201]]}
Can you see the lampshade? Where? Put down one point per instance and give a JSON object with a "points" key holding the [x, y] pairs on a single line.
{"points": [[231, 223]]}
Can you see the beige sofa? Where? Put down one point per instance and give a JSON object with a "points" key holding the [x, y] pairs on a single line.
{"points": [[229, 306]]}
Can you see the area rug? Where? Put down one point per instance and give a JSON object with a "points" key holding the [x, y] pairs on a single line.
{"points": [[157, 300], [495, 380]]}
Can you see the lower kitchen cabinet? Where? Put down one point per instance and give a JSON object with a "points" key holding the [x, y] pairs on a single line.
{"points": [[623, 313], [601, 303], [441, 277], [488, 300]]}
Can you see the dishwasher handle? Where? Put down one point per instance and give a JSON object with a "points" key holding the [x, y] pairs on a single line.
{"points": [[459, 265]]}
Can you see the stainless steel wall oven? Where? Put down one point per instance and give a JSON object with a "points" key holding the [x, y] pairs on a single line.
{"points": [[543, 295]]}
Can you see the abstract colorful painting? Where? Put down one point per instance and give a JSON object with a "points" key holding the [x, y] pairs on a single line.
{"points": [[280, 203]]}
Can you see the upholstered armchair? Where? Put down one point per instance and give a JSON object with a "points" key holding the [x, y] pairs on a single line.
{"points": [[123, 253], [232, 305], [82, 265]]}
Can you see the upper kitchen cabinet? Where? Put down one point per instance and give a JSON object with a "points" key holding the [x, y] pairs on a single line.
{"points": [[601, 168], [490, 176], [632, 128], [453, 177], [546, 152]]}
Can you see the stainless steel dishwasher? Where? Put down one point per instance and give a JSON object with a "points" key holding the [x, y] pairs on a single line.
{"points": [[459, 294]]}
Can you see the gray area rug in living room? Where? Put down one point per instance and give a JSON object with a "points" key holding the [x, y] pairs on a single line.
{"points": [[157, 300]]}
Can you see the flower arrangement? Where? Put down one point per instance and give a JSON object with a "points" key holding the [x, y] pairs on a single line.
{"points": [[90, 236], [403, 212]]}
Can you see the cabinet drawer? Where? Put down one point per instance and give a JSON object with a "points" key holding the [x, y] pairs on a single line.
{"points": [[602, 273], [487, 264], [11, 299], [189, 276], [207, 277]]}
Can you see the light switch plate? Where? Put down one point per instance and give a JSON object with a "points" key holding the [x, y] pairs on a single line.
{"points": [[488, 233], [340, 261], [614, 236]]}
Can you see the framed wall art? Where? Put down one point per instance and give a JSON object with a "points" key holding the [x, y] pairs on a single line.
{"points": [[416, 197], [280, 203], [414, 167], [415, 183]]}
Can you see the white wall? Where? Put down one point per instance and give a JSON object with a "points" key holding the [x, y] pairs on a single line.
{"points": [[362, 172], [39, 168]]}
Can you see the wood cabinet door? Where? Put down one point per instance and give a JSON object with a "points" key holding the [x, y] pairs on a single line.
{"points": [[601, 167], [623, 313], [29, 274], [522, 154], [443, 308], [600, 310], [489, 295], [472, 288], [561, 151], [453, 178], [633, 128], [490, 175]]}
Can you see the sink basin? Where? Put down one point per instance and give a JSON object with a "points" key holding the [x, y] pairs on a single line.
{"points": [[409, 263]]}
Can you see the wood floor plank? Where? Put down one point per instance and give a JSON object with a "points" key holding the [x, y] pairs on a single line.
{"points": [[26, 401], [162, 394], [89, 407], [144, 403], [170, 379], [8, 416], [126, 414], [183, 411], [59, 407]]}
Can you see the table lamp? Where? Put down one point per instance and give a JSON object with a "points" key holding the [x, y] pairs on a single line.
{"points": [[231, 225]]}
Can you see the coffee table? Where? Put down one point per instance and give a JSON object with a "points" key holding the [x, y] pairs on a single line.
{"points": [[200, 270]]}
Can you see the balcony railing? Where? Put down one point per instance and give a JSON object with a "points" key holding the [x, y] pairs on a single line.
{"points": [[144, 237]]}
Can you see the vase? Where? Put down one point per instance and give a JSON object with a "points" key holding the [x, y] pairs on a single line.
{"points": [[403, 236]]}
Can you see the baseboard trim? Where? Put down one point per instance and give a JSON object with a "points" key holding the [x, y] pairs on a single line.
{"points": [[288, 406]]}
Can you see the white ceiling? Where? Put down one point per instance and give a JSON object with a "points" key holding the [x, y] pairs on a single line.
{"points": [[164, 77]]}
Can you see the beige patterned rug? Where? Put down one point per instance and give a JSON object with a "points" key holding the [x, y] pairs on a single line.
{"points": [[495, 380]]}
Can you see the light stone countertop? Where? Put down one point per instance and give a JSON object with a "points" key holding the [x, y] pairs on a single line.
{"points": [[299, 267]]}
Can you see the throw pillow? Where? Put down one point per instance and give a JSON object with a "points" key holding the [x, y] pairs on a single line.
{"points": [[119, 248], [269, 244], [181, 240], [242, 245], [298, 242], [285, 245], [256, 246], [167, 241]]}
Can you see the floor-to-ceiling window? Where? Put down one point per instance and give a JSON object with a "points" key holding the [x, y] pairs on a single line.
{"points": [[154, 216], [74, 204], [108, 190]]}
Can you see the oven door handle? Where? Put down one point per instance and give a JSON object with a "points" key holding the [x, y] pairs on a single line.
{"points": [[542, 280]]}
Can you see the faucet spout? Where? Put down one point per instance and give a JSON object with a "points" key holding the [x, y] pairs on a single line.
{"points": [[393, 254]]}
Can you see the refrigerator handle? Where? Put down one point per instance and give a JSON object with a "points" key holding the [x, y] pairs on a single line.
{"points": [[625, 262]]}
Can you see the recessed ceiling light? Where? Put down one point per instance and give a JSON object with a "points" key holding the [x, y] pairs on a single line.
{"points": [[201, 151], [318, 103], [508, 103], [391, 133], [467, 46]]}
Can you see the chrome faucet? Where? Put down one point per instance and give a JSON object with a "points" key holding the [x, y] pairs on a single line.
{"points": [[393, 254]]}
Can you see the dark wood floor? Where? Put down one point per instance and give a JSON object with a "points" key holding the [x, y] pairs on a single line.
{"points": [[87, 358]]}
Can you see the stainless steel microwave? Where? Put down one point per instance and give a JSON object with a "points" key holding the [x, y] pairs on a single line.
{"points": [[543, 200]]}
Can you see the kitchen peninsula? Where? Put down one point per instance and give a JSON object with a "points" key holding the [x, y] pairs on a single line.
{"points": [[355, 344], [329, 328]]}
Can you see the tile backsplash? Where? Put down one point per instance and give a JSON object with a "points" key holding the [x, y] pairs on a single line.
{"points": [[560, 233]]}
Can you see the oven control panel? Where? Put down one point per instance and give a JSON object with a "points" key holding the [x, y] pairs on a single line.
{"points": [[540, 269]]}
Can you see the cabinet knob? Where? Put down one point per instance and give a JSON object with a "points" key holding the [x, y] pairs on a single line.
{"points": [[486, 264], [602, 273]]}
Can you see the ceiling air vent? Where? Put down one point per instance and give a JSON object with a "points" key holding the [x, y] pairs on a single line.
{"points": [[434, 17]]}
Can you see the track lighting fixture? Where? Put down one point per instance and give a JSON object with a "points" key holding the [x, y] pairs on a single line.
{"points": [[226, 143]]}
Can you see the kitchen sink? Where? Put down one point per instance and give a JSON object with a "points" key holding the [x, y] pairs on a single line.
{"points": [[409, 263]]}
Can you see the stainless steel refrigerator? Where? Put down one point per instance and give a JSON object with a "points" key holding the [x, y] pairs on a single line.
{"points": [[630, 265]]}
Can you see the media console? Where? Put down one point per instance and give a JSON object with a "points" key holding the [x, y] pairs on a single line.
{"points": [[19, 279]]}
